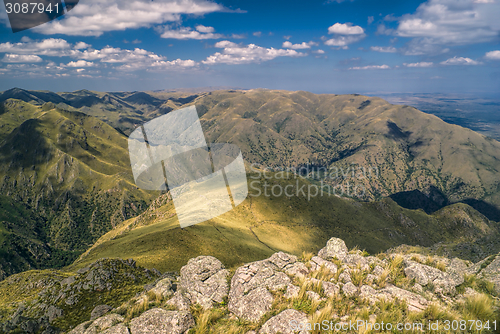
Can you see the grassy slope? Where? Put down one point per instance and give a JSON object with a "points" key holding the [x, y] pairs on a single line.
{"points": [[71, 171], [263, 225]]}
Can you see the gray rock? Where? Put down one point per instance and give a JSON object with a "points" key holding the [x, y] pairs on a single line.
{"points": [[81, 328], [335, 248], [349, 289], [249, 297], [330, 289], [313, 295], [159, 321], [287, 322], [424, 275], [317, 262], [99, 311], [377, 271], [118, 329], [204, 281], [345, 277], [104, 323], [53, 313], [354, 260], [163, 288], [292, 291], [179, 301]]}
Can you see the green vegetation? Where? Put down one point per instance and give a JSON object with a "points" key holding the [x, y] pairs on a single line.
{"points": [[261, 226]]}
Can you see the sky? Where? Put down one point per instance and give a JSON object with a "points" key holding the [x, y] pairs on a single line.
{"points": [[328, 46]]}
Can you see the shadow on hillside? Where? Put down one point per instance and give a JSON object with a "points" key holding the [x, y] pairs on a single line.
{"points": [[436, 200]]}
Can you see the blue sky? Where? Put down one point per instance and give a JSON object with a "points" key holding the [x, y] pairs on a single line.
{"points": [[335, 46]]}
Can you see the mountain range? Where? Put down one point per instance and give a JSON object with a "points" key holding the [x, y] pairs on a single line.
{"points": [[68, 190]]}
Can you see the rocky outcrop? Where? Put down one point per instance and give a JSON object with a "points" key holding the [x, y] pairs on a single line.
{"points": [[250, 297], [287, 322], [335, 248], [204, 281], [159, 321], [304, 291]]}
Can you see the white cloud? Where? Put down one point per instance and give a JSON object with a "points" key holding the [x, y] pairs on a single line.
{"points": [[319, 51], [243, 54], [13, 58], [48, 47], [421, 64], [345, 34], [370, 19], [204, 29], [439, 23], [80, 63], [343, 41], [257, 34], [94, 17], [345, 29], [386, 49], [303, 45], [371, 67], [495, 55], [201, 32], [460, 61]]}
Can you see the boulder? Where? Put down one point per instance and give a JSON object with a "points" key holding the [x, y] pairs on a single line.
{"points": [[118, 329], [204, 281], [179, 301], [104, 323], [349, 289], [335, 248], [159, 321], [249, 297], [330, 289], [163, 288], [423, 275], [317, 262], [287, 322]]}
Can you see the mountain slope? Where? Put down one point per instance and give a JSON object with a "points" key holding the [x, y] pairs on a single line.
{"points": [[262, 225], [409, 149], [70, 172]]}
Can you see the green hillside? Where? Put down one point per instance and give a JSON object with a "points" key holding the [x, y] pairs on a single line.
{"points": [[263, 225], [66, 180]]}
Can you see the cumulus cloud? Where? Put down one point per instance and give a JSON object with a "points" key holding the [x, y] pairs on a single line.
{"points": [[320, 52], [371, 67], [94, 17], [233, 53], [447, 22], [421, 64], [257, 33], [460, 61], [303, 45], [345, 29], [386, 49], [13, 58], [201, 32], [345, 34], [80, 63], [86, 56], [495, 55], [48, 47]]}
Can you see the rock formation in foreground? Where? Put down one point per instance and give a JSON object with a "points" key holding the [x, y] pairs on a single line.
{"points": [[282, 294]]}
